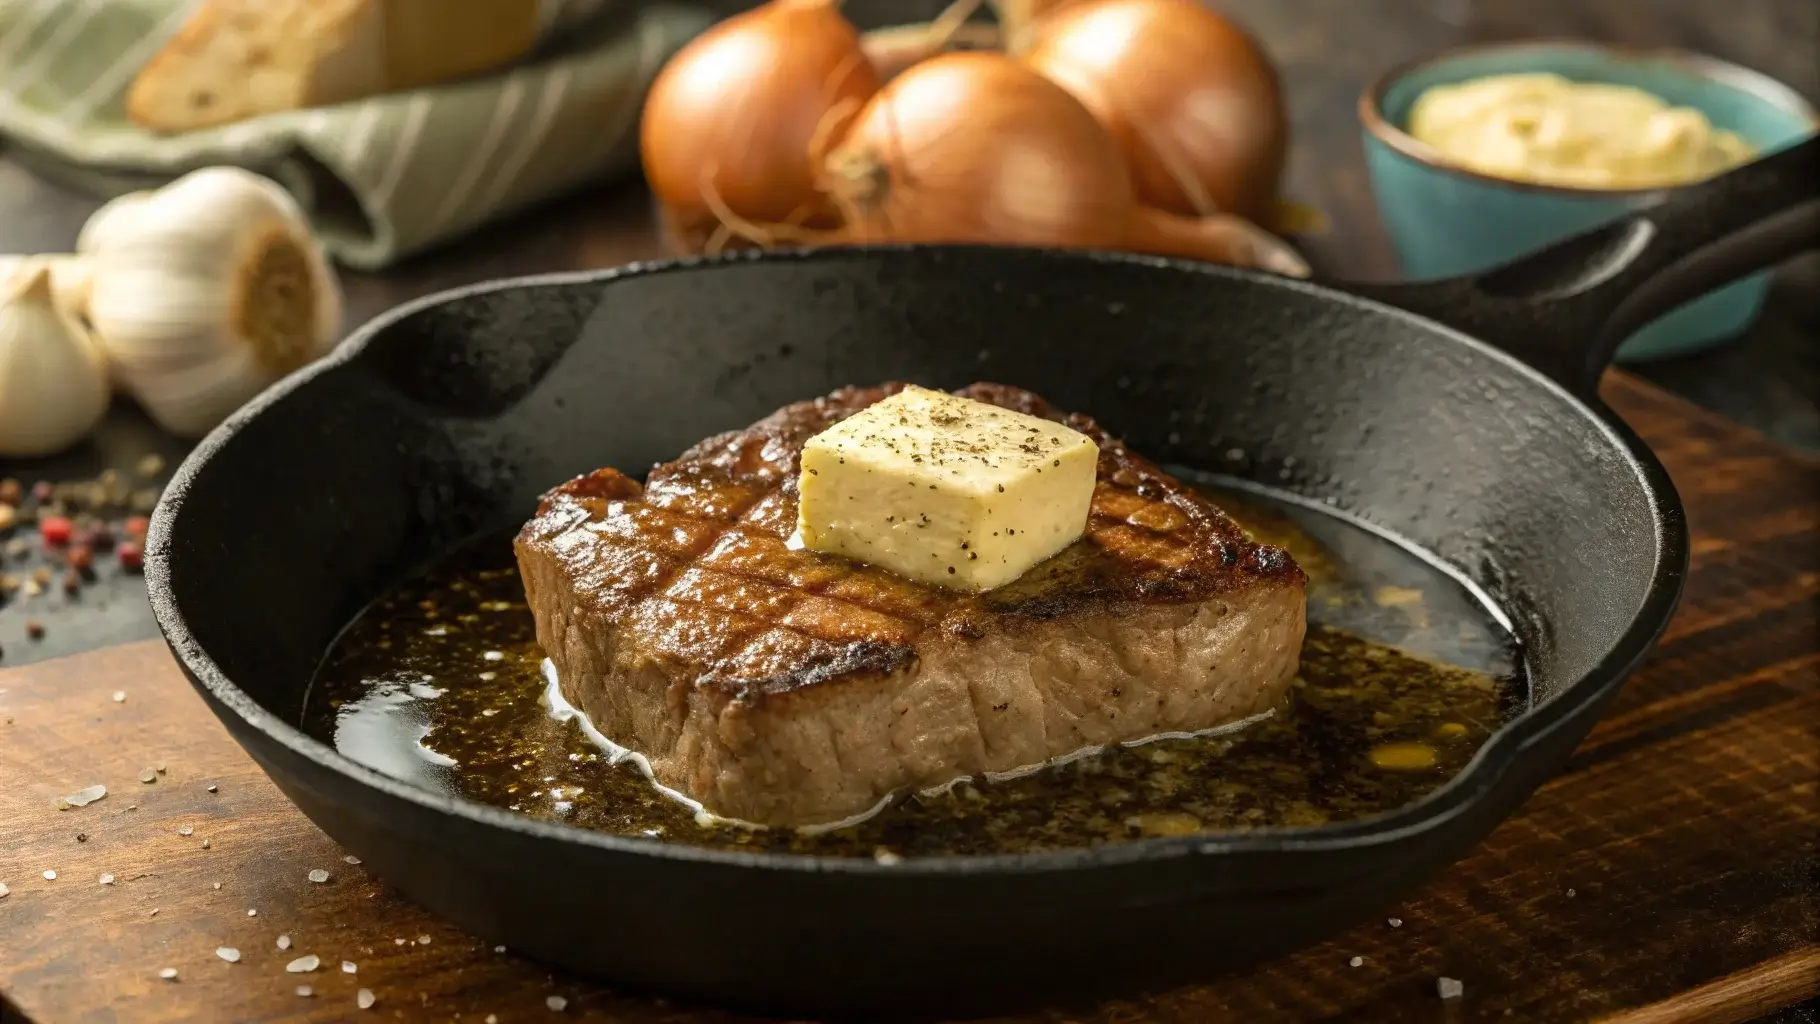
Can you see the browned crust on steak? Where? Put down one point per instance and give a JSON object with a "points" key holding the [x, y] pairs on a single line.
{"points": [[695, 561]]}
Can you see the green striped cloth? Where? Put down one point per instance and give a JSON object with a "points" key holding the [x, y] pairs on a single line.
{"points": [[382, 178]]}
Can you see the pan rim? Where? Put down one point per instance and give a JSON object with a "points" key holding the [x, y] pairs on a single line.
{"points": [[1489, 765]]}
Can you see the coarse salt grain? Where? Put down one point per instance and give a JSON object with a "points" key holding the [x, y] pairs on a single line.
{"points": [[348, 967], [3, 889], [364, 999], [492, 1018], [217, 885], [304, 964], [168, 974], [1356, 961], [250, 912], [83, 797], [284, 942], [494, 656], [1450, 988], [351, 859], [423, 940], [556, 1003], [499, 949], [213, 788], [228, 953], [205, 844], [50, 876], [159, 767], [148, 776], [398, 942], [318, 875], [107, 879], [120, 696], [305, 991], [185, 830], [1396, 922], [154, 912], [1570, 894]]}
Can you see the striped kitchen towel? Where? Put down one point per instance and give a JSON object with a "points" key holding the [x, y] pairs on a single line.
{"points": [[382, 178]]}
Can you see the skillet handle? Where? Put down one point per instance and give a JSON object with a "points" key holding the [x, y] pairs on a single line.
{"points": [[1566, 308]]}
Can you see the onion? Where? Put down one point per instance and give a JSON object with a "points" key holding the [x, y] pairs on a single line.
{"points": [[976, 147], [1190, 98], [733, 121], [1221, 238]]}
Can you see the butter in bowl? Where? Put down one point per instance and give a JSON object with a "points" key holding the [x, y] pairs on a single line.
{"points": [[1483, 153]]}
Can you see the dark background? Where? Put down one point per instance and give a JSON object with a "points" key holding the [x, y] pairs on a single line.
{"points": [[1328, 50]]}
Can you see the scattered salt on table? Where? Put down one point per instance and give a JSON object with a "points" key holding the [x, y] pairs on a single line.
{"points": [[50, 876], [185, 830], [423, 940], [120, 696], [1396, 922], [556, 1003], [1356, 961], [1450, 988], [168, 974], [351, 859], [318, 875], [250, 912], [364, 999], [107, 879], [305, 991], [228, 953], [348, 967], [304, 964], [284, 942]]}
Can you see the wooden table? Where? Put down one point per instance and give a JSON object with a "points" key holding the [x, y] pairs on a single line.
{"points": [[1686, 830], [1667, 875]]}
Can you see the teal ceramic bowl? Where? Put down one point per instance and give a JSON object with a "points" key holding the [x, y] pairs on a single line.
{"points": [[1446, 220]]}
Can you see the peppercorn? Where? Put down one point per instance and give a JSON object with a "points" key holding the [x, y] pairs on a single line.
{"points": [[80, 556], [131, 555], [55, 530], [34, 629]]}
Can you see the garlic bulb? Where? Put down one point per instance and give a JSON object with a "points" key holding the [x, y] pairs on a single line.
{"points": [[71, 279], [53, 378], [207, 291], [114, 218]]}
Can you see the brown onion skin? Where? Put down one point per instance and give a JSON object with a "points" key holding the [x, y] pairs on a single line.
{"points": [[1175, 83], [976, 147], [746, 99]]}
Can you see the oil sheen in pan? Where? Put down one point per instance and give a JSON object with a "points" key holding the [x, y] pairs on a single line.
{"points": [[1404, 675]]}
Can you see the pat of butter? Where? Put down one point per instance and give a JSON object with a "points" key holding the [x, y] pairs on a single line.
{"points": [[945, 490]]}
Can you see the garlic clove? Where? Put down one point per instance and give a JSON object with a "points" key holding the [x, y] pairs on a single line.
{"points": [[53, 378], [112, 220], [72, 278], [212, 289]]}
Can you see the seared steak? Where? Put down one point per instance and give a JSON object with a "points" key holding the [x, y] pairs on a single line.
{"points": [[787, 687]]}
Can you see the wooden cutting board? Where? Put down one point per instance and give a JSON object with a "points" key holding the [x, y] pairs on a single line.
{"points": [[1668, 874]]}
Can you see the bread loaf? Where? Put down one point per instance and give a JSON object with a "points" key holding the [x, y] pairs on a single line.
{"points": [[236, 59]]}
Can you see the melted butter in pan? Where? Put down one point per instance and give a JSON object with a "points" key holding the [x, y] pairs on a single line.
{"points": [[1403, 677]]}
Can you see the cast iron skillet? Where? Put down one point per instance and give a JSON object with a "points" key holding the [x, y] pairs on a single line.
{"points": [[1469, 428]]}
